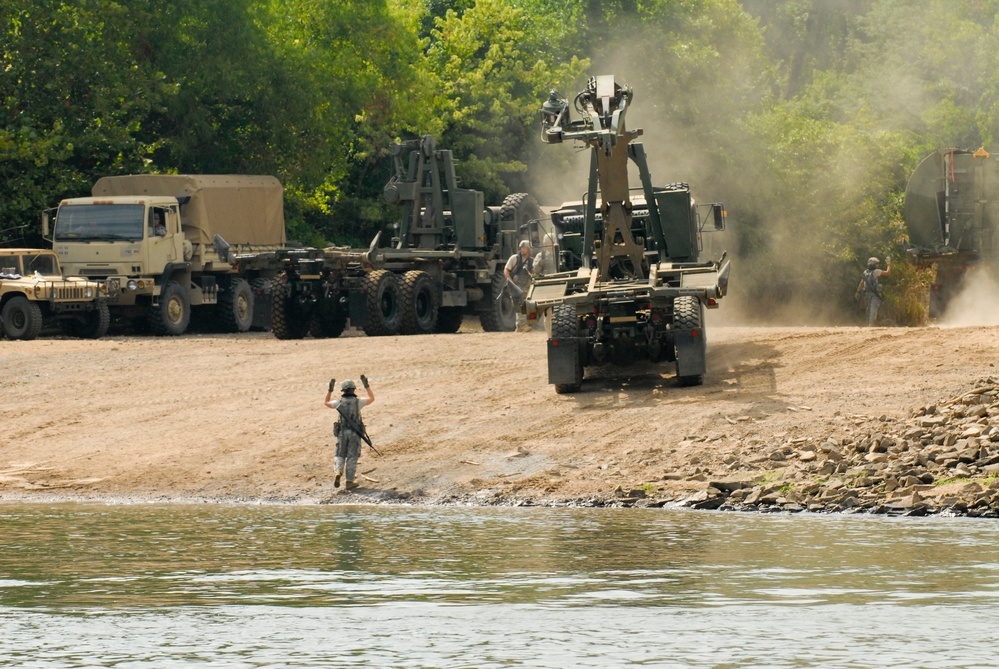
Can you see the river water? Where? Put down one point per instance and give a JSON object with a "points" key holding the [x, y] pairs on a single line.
{"points": [[362, 586]]}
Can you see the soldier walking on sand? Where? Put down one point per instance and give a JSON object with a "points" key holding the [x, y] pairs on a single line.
{"points": [[518, 270], [349, 429], [870, 284]]}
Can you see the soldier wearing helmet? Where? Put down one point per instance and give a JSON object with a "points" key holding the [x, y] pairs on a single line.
{"points": [[870, 287], [348, 428], [518, 270]]}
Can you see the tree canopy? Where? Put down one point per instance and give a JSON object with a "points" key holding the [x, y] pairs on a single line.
{"points": [[805, 117]]}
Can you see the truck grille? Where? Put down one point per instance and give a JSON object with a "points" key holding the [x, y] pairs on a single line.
{"points": [[69, 292]]}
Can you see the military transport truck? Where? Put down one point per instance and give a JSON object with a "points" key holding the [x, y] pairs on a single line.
{"points": [[445, 260], [640, 291], [952, 216], [161, 245], [34, 293]]}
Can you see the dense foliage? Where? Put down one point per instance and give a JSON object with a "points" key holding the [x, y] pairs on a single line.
{"points": [[805, 117]]}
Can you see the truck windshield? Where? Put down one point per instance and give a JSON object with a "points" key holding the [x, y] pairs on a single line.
{"points": [[99, 222], [41, 263]]}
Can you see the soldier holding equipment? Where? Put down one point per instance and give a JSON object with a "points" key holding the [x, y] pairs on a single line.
{"points": [[349, 429]]}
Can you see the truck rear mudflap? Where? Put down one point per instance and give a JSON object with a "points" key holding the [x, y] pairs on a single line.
{"points": [[563, 360]]}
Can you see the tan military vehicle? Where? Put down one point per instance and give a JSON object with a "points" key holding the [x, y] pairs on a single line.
{"points": [[34, 293]]}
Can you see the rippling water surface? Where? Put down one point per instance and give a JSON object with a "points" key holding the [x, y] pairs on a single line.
{"points": [[335, 586]]}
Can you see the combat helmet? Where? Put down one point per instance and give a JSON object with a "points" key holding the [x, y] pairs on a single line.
{"points": [[347, 385], [872, 262]]}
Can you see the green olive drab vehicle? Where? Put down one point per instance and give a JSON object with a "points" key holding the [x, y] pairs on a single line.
{"points": [[952, 216], [639, 291], [444, 261]]}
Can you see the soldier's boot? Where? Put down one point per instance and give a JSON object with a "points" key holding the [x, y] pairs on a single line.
{"points": [[351, 485], [336, 480]]}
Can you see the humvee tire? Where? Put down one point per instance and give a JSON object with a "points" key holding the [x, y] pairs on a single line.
{"points": [[94, 324], [22, 318], [382, 287], [419, 308]]}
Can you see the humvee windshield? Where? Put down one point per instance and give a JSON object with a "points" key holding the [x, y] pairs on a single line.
{"points": [[99, 222], [43, 264]]}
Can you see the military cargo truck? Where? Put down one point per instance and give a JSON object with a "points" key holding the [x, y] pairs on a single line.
{"points": [[444, 262], [640, 290], [161, 245], [951, 213], [34, 293]]}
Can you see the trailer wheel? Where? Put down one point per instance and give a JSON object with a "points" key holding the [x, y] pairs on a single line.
{"points": [[284, 323], [22, 318], [420, 310], [688, 315], [565, 325], [94, 324], [501, 312], [382, 288], [331, 319], [173, 314], [449, 319], [235, 306]]}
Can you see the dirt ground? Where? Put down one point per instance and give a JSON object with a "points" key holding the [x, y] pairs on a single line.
{"points": [[467, 416]]}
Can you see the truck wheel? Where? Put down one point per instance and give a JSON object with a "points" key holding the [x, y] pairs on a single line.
{"points": [[95, 323], [382, 288], [564, 324], [521, 208], [331, 318], [235, 306], [501, 313], [449, 319], [173, 314], [22, 318], [419, 303], [284, 323], [688, 315]]}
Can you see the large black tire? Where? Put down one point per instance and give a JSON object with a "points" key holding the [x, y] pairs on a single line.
{"points": [[331, 319], [565, 324], [688, 314], [173, 314], [94, 325], [449, 319], [284, 323], [382, 289], [521, 208], [235, 306], [419, 303], [500, 314], [22, 318]]}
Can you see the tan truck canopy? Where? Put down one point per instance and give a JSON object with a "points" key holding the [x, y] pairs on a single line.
{"points": [[243, 210]]}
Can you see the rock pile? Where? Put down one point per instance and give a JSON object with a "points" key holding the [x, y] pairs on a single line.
{"points": [[942, 459]]}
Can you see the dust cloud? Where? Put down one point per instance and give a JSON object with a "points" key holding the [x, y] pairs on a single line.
{"points": [[977, 303]]}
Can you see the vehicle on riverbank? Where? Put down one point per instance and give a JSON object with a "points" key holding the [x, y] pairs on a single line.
{"points": [[34, 293]]}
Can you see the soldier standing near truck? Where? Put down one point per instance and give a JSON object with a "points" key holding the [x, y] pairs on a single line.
{"points": [[870, 284], [349, 429], [518, 270]]}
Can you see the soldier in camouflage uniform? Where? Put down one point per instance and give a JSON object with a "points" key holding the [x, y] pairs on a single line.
{"points": [[348, 439]]}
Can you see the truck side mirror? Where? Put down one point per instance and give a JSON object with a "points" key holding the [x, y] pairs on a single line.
{"points": [[718, 211]]}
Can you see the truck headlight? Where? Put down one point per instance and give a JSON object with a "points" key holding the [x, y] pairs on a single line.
{"points": [[89, 292], [132, 285]]}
